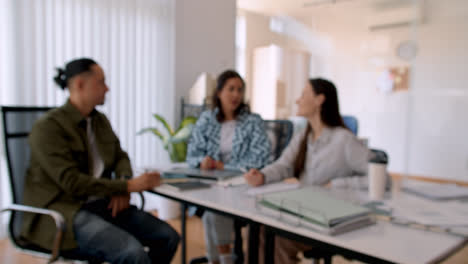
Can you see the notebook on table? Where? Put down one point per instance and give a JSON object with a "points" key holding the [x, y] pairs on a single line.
{"points": [[316, 209], [214, 175], [272, 187], [186, 185]]}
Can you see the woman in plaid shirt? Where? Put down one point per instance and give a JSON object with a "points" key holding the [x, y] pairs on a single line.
{"points": [[227, 137]]}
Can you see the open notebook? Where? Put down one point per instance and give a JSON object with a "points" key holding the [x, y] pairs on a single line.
{"points": [[316, 209], [216, 175], [186, 185]]}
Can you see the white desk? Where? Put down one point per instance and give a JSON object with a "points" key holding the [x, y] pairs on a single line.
{"points": [[382, 242], [230, 201]]}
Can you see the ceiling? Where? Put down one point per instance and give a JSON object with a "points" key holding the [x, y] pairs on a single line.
{"points": [[303, 10]]}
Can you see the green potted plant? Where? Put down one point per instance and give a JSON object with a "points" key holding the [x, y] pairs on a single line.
{"points": [[174, 141]]}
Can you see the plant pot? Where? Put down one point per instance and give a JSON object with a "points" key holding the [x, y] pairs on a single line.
{"points": [[177, 151], [168, 209]]}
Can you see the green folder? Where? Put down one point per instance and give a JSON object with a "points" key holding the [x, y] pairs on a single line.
{"points": [[317, 208]]}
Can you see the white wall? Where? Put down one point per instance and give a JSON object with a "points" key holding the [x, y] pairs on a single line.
{"points": [[423, 130], [439, 124], [205, 41]]}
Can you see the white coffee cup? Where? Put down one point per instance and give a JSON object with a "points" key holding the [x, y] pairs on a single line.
{"points": [[377, 180]]}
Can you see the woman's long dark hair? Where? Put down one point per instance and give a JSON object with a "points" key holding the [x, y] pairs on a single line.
{"points": [[329, 114], [72, 69], [216, 103]]}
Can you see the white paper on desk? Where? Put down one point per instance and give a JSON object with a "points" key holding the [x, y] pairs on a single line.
{"points": [[435, 191], [460, 230], [273, 187], [426, 212], [234, 181]]}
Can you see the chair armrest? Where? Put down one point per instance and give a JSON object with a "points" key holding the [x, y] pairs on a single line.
{"points": [[59, 224], [142, 201]]}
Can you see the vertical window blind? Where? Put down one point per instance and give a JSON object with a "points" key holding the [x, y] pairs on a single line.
{"points": [[132, 40]]}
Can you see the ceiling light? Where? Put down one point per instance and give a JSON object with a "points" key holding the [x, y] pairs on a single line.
{"points": [[321, 2]]}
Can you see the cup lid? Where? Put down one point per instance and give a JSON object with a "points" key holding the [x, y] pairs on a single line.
{"points": [[378, 156]]}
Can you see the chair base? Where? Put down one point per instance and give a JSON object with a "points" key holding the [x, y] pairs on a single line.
{"points": [[317, 254], [199, 260]]}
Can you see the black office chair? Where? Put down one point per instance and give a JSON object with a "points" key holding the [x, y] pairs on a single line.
{"points": [[17, 123], [279, 133], [194, 110]]}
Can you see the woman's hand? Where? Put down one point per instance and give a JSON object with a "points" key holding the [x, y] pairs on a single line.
{"points": [[219, 165], [208, 163], [254, 177]]}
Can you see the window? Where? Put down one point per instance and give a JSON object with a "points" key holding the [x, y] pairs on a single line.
{"points": [[131, 40]]}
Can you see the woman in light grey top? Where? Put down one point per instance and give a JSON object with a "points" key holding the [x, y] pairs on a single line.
{"points": [[325, 152], [333, 157]]}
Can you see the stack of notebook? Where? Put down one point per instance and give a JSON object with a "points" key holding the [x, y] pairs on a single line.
{"points": [[181, 182], [316, 209]]}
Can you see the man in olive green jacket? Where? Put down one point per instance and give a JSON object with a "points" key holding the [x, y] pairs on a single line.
{"points": [[74, 154]]}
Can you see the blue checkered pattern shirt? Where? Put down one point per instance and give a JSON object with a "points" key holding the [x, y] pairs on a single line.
{"points": [[250, 147]]}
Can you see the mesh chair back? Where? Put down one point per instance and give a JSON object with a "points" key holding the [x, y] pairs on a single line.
{"points": [[17, 123], [279, 132], [351, 122], [191, 110]]}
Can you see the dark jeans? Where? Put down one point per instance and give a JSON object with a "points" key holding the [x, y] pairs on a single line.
{"points": [[123, 239]]}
